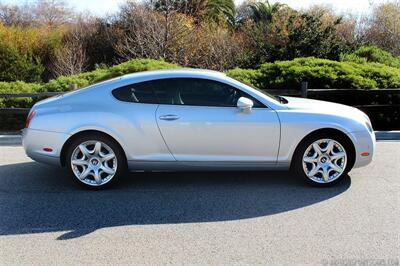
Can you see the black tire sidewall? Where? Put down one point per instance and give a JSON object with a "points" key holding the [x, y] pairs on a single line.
{"points": [[297, 166], [121, 161]]}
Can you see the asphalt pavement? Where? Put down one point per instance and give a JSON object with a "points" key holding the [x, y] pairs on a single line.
{"points": [[221, 218]]}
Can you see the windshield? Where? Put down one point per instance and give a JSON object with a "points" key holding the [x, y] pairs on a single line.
{"points": [[276, 98]]}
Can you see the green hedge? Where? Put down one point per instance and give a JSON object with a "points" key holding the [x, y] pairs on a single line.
{"points": [[87, 78], [371, 54], [320, 73], [62, 83], [15, 122]]}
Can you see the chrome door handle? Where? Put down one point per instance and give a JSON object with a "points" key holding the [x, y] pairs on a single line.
{"points": [[169, 117]]}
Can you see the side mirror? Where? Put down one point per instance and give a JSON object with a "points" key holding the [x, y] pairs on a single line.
{"points": [[244, 104]]}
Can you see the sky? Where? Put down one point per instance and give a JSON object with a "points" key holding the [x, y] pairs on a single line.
{"points": [[102, 7]]}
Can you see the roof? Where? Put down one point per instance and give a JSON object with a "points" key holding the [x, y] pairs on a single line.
{"points": [[175, 72]]}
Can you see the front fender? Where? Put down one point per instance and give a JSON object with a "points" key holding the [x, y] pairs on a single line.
{"points": [[295, 126]]}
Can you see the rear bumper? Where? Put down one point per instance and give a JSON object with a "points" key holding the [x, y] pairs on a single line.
{"points": [[35, 141], [364, 142]]}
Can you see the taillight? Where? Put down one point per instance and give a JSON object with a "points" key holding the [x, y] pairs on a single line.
{"points": [[29, 119]]}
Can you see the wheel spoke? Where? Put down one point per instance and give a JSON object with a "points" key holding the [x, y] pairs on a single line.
{"points": [[84, 151], [97, 148], [313, 171], [337, 156], [97, 176], [79, 162], [85, 173], [329, 147], [107, 170], [317, 148], [108, 157], [310, 159], [325, 174], [335, 167]]}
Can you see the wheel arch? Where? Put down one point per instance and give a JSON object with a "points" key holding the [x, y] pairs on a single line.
{"points": [[78, 134], [333, 132]]}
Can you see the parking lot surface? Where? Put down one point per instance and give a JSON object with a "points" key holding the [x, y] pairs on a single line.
{"points": [[199, 218]]}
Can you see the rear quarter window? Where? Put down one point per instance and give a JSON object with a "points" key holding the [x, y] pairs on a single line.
{"points": [[135, 93]]}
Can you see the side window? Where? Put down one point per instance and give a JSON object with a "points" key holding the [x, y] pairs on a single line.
{"points": [[198, 92], [137, 93]]}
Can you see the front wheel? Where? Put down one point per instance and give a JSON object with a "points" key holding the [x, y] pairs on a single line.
{"points": [[322, 160], [95, 161]]}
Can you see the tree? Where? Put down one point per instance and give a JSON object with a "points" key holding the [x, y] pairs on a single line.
{"points": [[221, 11], [213, 47], [152, 34], [13, 15], [218, 11], [70, 58], [263, 11], [52, 13], [16, 65], [307, 36], [382, 27]]}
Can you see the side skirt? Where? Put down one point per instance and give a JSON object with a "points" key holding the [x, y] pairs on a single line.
{"points": [[205, 166]]}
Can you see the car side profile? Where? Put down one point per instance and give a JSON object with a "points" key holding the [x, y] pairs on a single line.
{"points": [[171, 120]]}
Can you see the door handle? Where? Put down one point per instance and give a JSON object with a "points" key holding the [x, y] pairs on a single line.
{"points": [[169, 117]]}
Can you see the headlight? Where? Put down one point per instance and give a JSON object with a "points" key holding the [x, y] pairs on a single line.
{"points": [[369, 126]]}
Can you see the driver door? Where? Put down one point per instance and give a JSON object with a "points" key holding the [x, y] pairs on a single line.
{"points": [[199, 121]]}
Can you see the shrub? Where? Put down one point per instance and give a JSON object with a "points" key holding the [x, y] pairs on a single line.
{"points": [[249, 76], [132, 66], [16, 65], [320, 73], [101, 74], [371, 54], [62, 83], [15, 121]]}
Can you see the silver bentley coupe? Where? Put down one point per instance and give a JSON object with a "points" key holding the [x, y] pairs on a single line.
{"points": [[171, 120]]}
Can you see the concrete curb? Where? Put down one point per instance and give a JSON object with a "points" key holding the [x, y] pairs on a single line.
{"points": [[10, 140], [15, 140], [387, 135]]}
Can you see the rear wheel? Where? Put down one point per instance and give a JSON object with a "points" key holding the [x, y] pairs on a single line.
{"points": [[323, 160], [95, 161]]}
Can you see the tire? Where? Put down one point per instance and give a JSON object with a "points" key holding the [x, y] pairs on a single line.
{"points": [[95, 161], [323, 160]]}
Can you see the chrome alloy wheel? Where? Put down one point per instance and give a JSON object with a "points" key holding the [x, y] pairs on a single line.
{"points": [[324, 161], [94, 163]]}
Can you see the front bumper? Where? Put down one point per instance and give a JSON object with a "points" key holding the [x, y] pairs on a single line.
{"points": [[364, 142], [37, 145]]}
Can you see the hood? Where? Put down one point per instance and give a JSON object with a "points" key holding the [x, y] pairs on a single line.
{"points": [[323, 107]]}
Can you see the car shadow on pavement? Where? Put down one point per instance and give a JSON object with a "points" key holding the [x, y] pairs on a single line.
{"points": [[36, 198]]}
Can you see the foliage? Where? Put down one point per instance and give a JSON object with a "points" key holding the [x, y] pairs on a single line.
{"points": [[84, 79], [289, 34], [320, 73], [16, 65], [371, 54], [263, 11], [216, 11], [382, 26], [26, 52], [210, 34], [248, 76], [17, 86], [17, 59]]}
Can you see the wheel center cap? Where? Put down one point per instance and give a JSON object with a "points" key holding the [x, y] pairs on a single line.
{"points": [[94, 162], [324, 160]]}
